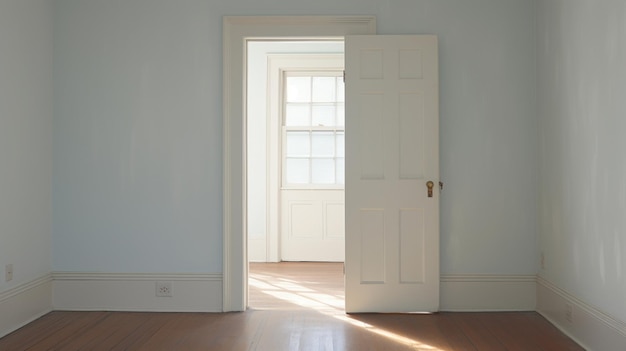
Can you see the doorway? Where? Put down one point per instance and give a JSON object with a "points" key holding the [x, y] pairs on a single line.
{"points": [[237, 30], [295, 151], [295, 173]]}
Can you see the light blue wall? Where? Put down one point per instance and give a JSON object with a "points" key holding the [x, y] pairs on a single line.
{"points": [[138, 135], [138, 129], [25, 139], [582, 114]]}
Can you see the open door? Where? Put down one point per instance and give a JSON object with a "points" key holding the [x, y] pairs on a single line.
{"points": [[392, 173]]}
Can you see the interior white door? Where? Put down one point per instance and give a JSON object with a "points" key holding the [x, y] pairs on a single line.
{"points": [[392, 223]]}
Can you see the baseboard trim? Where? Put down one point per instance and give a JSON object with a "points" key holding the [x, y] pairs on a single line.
{"points": [[92, 291], [590, 327], [25, 303], [136, 276], [465, 293]]}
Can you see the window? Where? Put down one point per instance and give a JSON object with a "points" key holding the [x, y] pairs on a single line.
{"points": [[313, 129]]}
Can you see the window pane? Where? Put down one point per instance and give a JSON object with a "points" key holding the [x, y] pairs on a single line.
{"points": [[297, 115], [297, 171], [341, 115], [341, 139], [323, 144], [341, 170], [298, 144], [298, 89], [340, 89], [323, 115], [323, 171], [324, 89]]}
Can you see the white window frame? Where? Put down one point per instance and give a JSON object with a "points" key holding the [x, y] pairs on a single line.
{"points": [[334, 129]]}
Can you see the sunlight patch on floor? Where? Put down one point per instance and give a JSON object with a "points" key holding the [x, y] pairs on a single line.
{"points": [[393, 336], [331, 305]]}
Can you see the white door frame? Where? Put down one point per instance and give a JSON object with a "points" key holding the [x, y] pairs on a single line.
{"points": [[237, 30]]}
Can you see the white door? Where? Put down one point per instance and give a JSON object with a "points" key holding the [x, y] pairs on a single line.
{"points": [[392, 223]]}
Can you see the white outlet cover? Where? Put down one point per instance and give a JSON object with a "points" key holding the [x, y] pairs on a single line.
{"points": [[164, 289]]}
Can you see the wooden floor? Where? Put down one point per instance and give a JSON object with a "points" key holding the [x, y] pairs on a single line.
{"points": [[296, 285], [290, 310]]}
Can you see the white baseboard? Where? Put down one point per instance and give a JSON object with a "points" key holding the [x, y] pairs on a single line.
{"points": [[591, 328], [465, 293], [25, 303], [136, 292]]}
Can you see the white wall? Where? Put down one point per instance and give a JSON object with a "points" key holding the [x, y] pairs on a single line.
{"points": [[138, 143], [581, 90], [138, 125], [26, 119], [25, 139]]}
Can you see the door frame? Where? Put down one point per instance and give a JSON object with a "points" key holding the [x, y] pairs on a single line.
{"points": [[237, 30]]}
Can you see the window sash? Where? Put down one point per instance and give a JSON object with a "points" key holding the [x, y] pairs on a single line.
{"points": [[309, 161]]}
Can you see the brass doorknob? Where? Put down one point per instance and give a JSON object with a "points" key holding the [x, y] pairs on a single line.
{"points": [[430, 185]]}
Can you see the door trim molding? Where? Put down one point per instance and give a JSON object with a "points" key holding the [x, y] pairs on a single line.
{"points": [[237, 30]]}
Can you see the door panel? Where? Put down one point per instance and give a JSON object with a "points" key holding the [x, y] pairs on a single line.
{"points": [[392, 225]]}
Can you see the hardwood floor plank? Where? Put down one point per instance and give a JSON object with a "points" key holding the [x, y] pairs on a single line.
{"points": [[40, 329], [101, 334], [53, 329], [454, 334], [480, 336], [551, 337], [509, 331], [144, 331], [169, 335], [58, 333]]}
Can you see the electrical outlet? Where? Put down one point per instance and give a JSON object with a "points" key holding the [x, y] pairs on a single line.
{"points": [[568, 313], [8, 272], [164, 289]]}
